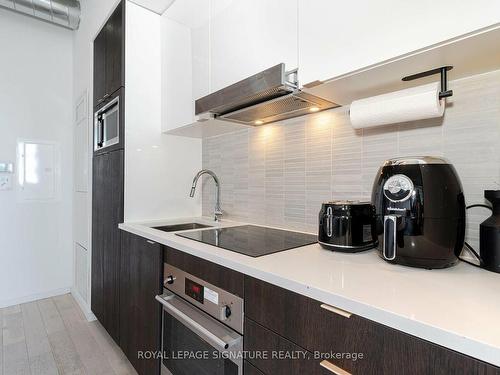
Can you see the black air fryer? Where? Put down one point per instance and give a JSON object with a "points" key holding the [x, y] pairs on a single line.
{"points": [[420, 212]]}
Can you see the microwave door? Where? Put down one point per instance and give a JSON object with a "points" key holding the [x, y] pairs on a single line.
{"points": [[111, 126], [107, 126]]}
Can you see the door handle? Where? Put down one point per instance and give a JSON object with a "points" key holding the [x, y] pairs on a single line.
{"points": [[390, 236], [335, 310], [218, 341], [333, 369], [101, 132], [329, 222]]}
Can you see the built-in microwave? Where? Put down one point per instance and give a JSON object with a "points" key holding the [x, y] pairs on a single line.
{"points": [[107, 125]]}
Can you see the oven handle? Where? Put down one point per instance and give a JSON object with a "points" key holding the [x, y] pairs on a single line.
{"points": [[192, 324]]}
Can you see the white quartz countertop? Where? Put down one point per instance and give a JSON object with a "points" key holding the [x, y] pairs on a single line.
{"points": [[457, 307]]}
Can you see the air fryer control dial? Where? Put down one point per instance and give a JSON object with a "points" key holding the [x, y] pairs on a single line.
{"points": [[398, 188]]}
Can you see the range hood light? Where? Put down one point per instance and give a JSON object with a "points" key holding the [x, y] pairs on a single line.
{"points": [[314, 109], [258, 122]]}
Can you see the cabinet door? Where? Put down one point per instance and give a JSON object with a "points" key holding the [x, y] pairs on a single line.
{"points": [[249, 369], [99, 67], [247, 37], [185, 65], [113, 213], [338, 37], [177, 77], [279, 355], [107, 213], [384, 350], [98, 194], [115, 48], [140, 314]]}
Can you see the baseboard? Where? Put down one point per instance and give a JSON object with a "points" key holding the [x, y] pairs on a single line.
{"points": [[89, 315], [34, 297]]}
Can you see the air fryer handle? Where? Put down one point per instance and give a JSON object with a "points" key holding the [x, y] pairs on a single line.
{"points": [[391, 223]]}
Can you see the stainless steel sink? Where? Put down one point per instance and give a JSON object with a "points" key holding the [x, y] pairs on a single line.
{"points": [[179, 227]]}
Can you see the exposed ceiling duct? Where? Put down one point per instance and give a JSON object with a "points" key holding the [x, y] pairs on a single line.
{"points": [[64, 13]]}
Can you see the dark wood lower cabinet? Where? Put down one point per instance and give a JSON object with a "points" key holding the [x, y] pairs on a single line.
{"points": [[342, 340], [275, 355], [141, 280], [249, 369], [107, 213]]}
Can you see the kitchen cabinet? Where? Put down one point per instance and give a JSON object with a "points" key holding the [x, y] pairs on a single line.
{"points": [[336, 38], [261, 339], [247, 37], [107, 213], [249, 369], [287, 317], [109, 56], [141, 276], [185, 61], [210, 45]]}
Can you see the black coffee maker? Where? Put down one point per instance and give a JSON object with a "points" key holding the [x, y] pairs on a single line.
{"points": [[489, 234], [420, 212]]}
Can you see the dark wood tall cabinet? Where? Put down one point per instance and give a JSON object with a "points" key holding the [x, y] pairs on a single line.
{"points": [[140, 314], [108, 178], [109, 57], [107, 213]]}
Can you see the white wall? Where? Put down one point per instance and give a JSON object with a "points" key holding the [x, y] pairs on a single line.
{"points": [[35, 104], [159, 168], [93, 15]]}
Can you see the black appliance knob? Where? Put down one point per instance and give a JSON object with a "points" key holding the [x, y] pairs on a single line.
{"points": [[225, 312], [169, 280]]}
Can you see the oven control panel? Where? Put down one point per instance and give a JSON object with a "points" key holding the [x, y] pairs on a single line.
{"points": [[194, 290], [219, 303]]}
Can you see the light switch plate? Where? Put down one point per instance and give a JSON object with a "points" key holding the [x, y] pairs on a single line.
{"points": [[5, 182]]}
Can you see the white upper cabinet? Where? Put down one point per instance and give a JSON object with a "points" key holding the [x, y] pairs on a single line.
{"points": [[337, 37], [248, 36], [185, 60]]}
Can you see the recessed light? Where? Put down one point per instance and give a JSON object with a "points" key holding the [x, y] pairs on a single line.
{"points": [[314, 109], [259, 122]]}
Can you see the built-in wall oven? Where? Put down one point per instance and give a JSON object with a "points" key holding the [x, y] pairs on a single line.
{"points": [[202, 329], [107, 125]]}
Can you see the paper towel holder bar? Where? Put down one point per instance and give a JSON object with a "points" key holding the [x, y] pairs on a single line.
{"points": [[444, 79]]}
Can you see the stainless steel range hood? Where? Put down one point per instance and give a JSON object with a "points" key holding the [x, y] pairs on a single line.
{"points": [[269, 96]]}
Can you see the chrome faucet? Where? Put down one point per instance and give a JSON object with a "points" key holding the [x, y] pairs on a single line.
{"points": [[217, 210]]}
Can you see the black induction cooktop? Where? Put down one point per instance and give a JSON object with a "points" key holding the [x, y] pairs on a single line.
{"points": [[251, 240]]}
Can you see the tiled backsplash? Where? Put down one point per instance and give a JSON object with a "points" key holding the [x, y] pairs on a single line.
{"points": [[279, 174]]}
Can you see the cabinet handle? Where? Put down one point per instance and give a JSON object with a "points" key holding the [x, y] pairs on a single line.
{"points": [[345, 314], [333, 369], [150, 242]]}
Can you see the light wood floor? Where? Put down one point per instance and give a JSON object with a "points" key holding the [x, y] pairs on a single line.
{"points": [[51, 336]]}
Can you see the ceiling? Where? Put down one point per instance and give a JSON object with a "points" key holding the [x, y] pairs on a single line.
{"points": [[157, 6]]}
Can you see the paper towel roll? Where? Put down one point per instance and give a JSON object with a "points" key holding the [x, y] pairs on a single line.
{"points": [[416, 103]]}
